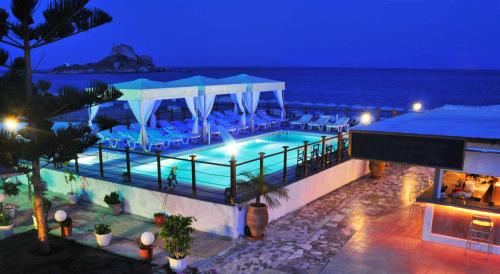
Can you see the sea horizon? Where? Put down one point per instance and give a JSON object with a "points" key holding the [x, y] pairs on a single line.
{"points": [[374, 87]]}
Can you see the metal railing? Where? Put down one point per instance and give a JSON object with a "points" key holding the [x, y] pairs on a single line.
{"points": [[210, 181]]}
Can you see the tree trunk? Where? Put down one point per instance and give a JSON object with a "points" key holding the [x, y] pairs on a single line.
{"points": [[37, 181], [38, 210]]}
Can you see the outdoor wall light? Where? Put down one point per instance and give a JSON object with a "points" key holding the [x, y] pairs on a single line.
{"points": [[147, 238], [11, 123], [366, 118], [417, 106], [60, 216]]}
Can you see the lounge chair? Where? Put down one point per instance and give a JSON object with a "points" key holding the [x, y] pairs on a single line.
{"points": [[340, 125], [185, 136], [133, 139], [273, 122], [234, 119], [110, 138], [264, 114], [155, 134], [302, 121], [320, 123]]}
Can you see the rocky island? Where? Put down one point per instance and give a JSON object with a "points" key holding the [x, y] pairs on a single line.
{"points": [[122, 59]]}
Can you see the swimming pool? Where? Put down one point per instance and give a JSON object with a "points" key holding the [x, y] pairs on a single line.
{"points": [[245, 149]]}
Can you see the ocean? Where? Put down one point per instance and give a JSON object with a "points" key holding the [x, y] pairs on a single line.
{"points": [[351, 86]]}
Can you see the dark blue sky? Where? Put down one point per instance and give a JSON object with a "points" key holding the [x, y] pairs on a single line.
{"points": [[373, 33]]}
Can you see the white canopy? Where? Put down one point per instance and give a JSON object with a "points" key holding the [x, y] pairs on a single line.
{"points": [[146, 89], [254, 86]]}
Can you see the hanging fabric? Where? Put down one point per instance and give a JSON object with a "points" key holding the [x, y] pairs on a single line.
{"points": [[279, 97], [92, 114], [142, 111], [251, 100], [204, 104], [238, 102], [190, 102], [152, 121]]}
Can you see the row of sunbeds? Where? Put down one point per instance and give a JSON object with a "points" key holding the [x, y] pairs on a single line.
{"points": [[175, 133], [324, 122]]}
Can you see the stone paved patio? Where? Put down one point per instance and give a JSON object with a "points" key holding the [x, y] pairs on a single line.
{"points": [[306, 240]]}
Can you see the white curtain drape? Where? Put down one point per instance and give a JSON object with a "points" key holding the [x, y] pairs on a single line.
{"points": [[251, 100], [279, 97], [238, 102], [92, 113], [204, 104], [142, 111], [190, 102], [152, 121]]}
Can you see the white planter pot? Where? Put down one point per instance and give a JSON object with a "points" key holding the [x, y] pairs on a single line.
{"points": [[6, 231], [72, 199], [104, 240], [177, 265]]}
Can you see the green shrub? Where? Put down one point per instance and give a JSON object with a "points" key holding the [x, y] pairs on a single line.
{"points": [[5, 219], [112, 199], [9, 188], [176, 234], [102, 229]]}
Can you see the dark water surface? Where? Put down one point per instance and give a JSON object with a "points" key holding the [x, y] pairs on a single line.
{"points": [[367, 87]]}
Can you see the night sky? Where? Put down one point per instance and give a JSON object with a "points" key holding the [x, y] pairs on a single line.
{"points": [[319, 33]]}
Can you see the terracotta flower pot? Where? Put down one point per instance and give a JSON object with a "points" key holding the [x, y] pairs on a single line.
{"points": [[116, 209], [66, 231], [257, 219], [159, 220], [146, 254], [376, 168]]}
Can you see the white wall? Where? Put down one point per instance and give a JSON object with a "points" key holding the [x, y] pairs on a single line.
{"points": [[314, 187], [214, 218]]}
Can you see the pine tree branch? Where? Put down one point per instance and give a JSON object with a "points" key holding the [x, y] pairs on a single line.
{"points": [[14, 41], [37, 45], [9, 43]]}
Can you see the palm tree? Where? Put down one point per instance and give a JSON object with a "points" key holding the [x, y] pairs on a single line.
{"points": [[261, 188], [24, 150]]}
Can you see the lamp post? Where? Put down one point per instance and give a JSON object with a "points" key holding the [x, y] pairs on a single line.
{"points": [[65, 223], [417, 107], [147, 240], [366, 118]]}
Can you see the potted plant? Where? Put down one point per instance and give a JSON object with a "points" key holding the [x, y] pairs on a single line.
{"points": [[66, 227], [11, 190], [257, 213], [376, 168], [159, 219], [176, 235], [114, 203], [47, 204], [6, 225], [103, 234], [70, 178]]}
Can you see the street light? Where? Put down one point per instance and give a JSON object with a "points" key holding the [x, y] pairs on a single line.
{"points": [[11, 123], [417, 106], [366, 118]]}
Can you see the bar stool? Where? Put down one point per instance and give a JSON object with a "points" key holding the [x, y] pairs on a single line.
{"points": [[480, 231]]}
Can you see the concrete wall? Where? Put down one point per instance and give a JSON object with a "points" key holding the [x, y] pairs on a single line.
{"points": [[214, 218]]}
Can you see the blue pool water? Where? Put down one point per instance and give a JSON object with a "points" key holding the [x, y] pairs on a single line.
{"points": [[246, 149]]}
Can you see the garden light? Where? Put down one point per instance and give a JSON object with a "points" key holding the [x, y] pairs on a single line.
{"points": [[11, 123], [147, 238], [366, 118], [60, 216], [417, 107]]}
